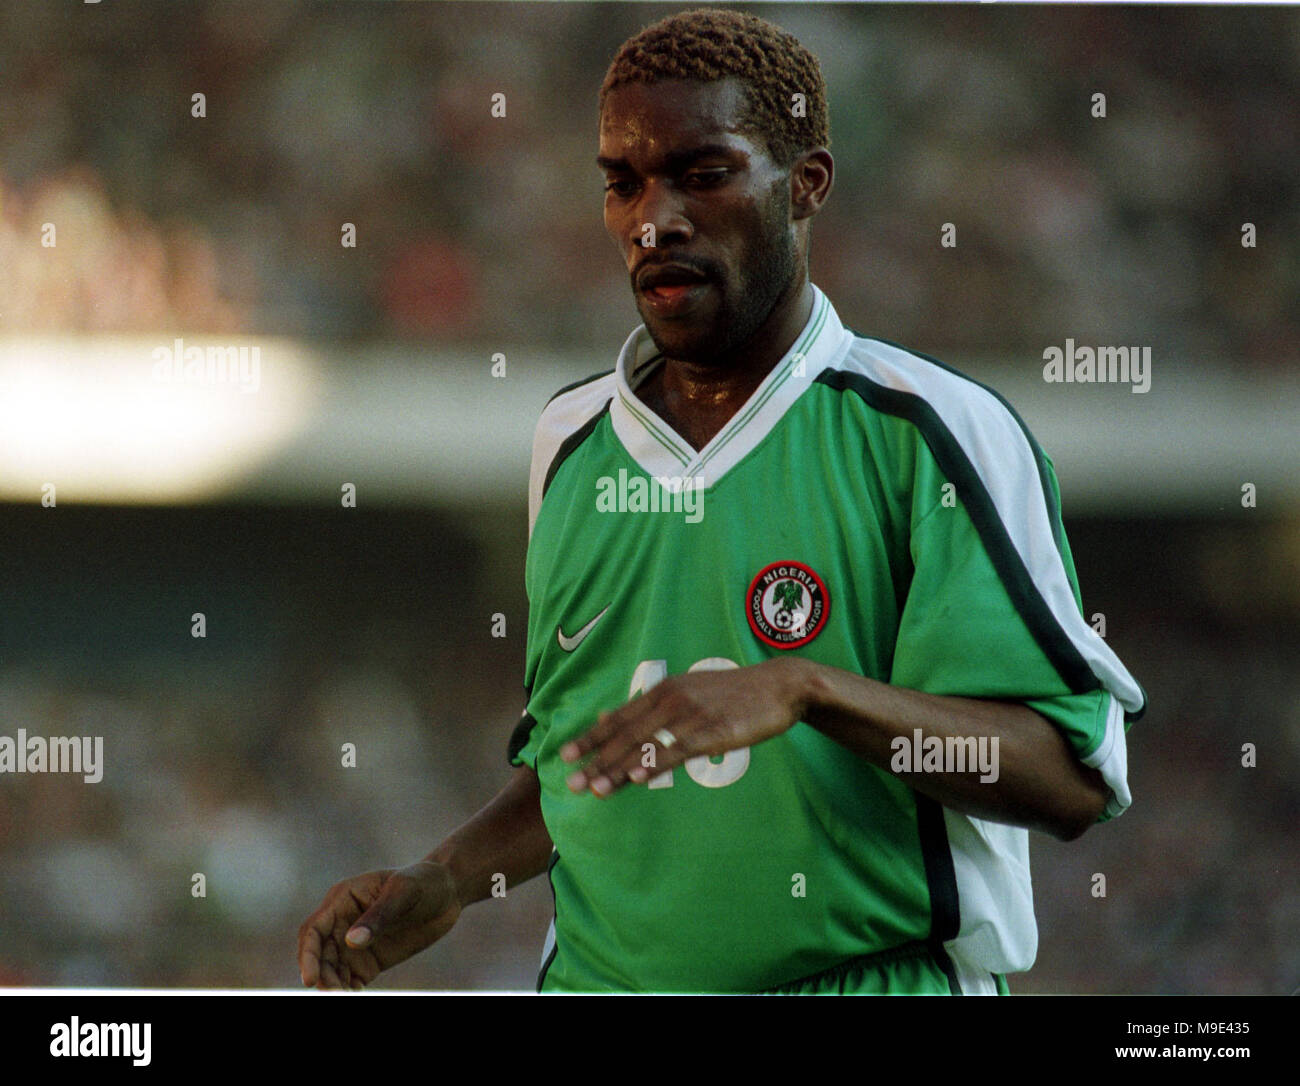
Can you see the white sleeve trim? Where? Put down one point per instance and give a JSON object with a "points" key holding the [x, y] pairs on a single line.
{"points": [[1111, 758]]}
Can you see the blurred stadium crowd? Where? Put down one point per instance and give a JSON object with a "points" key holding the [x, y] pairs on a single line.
{"points": [[483, 229], [480, 231]]}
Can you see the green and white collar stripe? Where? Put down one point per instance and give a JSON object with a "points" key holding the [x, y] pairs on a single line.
{"points": [[660, 451], [672, 445]]}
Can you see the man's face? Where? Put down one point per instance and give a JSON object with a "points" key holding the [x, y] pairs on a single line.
{"points": [[724, 247]]}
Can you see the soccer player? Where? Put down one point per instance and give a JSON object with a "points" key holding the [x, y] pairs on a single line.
{"points": [[806, 658]]}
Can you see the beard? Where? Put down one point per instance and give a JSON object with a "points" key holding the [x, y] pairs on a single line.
{"points": [[767, 269]]}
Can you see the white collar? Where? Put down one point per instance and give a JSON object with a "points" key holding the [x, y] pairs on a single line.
{"points": [[660, 451]]}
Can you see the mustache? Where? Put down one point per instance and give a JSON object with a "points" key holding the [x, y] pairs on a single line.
{"points": [[706, 268]]}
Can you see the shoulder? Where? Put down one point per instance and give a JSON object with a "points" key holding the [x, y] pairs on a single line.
{"points": [[596, 385], [958, 417], [568, 417], [974, 437], [569, 410], [915, 386]]}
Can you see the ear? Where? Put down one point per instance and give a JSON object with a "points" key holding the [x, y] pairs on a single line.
{"points": [[811, 178]]}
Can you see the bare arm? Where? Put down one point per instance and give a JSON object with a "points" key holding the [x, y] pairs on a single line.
{"points": [[1040, 784], [507, 836]]}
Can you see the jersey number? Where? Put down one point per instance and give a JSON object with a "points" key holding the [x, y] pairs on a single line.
{"points": [[702, 770]]}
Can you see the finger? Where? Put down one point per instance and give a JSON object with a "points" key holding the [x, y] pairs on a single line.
{"points": [[365, 969], [621, 731], [606, 724], [642, 765], [313, 930], [622, 759], [611, 751], [394, 902], [335, 946], [309, 956], [329, 961], [615, 730], [329, 978]]}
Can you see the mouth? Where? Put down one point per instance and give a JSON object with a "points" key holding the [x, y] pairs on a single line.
{"points": [[671, 300], [673, 288]]}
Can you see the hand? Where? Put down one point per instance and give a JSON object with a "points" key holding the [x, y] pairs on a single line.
{"points": [[370, 923], [707, 713]]}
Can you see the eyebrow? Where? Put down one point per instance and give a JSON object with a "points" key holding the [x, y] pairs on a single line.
{"points": [[676, 161]]}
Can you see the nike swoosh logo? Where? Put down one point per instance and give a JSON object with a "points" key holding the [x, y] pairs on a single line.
{"points": [[568, 644]]}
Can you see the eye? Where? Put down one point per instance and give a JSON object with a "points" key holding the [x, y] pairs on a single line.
{"points": [[707, 178], [619, 187]]}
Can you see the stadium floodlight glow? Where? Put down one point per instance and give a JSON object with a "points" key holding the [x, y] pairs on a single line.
{"points": [[149, 420]]}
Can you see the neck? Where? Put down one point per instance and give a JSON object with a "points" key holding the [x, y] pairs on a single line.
{"points": [[698, 400]]}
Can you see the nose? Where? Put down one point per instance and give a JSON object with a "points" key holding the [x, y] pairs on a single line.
{"points": [[662, 207]]}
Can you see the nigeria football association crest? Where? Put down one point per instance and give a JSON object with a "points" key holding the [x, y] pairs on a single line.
{"points": [[788, 605]]}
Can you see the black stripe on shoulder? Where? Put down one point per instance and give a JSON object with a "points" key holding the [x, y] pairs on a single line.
{"points": [[519, 737], [956, 465], [1040, 458], [579, 384], [572, 442], [555, 947]]}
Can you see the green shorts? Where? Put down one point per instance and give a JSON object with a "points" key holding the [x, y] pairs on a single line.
{"points": [[912, 969]]}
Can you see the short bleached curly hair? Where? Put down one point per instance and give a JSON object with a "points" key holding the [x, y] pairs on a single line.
{"points": [[710, 44]]}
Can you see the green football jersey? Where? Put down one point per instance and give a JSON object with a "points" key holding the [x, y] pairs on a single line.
{"points": [[870, 509]]}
